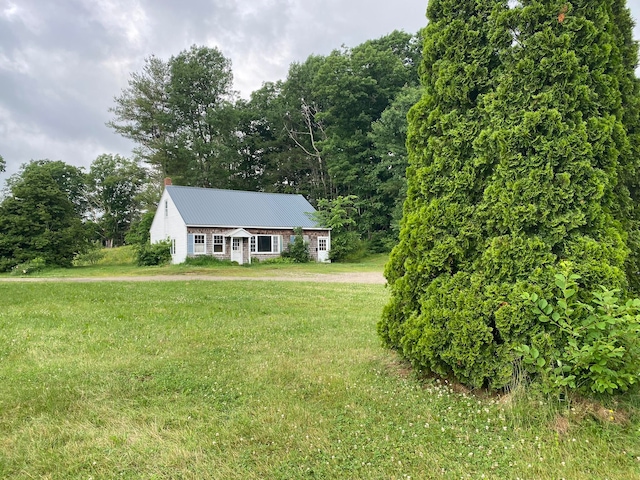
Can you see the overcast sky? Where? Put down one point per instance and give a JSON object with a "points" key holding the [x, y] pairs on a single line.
{"points": [[63, 61]]}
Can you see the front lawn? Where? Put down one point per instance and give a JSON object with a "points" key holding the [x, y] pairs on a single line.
{"points": [[261, 380], [121, 262]]}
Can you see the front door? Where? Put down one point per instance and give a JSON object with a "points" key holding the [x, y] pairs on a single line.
{"points": [[323, 249], [236, 250]]}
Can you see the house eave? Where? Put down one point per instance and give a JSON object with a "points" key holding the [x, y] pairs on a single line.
{"points": [[256, 226]]}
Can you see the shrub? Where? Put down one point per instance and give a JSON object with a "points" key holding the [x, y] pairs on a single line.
{"points": [[338, 215], [27, 268], [596, 347], [273, 261], [126, 255], [207, 261], [91, 257], [298, 250], [151, 254]]}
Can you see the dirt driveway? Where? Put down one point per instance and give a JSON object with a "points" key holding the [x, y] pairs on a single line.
{"points": [[359, 277]]}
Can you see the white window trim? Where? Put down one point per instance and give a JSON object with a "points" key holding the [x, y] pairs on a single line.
{"points": [[276, 242], [213, 244], [173, 246], [204, 236]]}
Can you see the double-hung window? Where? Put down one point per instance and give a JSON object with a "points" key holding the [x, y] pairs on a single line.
{"points": [[199, 245], [218, 244]]}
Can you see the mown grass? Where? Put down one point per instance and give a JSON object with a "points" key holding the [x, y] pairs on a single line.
{"points": [[254, 380], [119, 262]]}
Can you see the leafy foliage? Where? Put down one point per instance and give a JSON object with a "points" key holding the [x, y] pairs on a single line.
{"points": [[139, 233], [338, 215], [29, 267], [207, 261], [93, 254], [595, 346], [513, 168], [298, 250], [389, 137], [70, 179], [150, 254], [115, 185], [38, 220], [176, 112], [308, 134]]}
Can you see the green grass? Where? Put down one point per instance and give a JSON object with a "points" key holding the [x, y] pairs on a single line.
{"points": [[253, 380], [121, 262]]}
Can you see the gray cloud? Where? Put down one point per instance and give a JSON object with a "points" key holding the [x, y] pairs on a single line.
{"points": [[61, 63]]}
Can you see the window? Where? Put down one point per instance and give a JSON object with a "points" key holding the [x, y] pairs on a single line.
{"points": [[218, 244], [199, 246], [265, 244], [166, 208], [173, 246]]}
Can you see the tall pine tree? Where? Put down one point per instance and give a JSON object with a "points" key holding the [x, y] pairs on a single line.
{"points": [[528, 186]]}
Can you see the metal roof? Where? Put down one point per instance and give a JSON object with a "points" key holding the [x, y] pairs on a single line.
{"points": [[236, 208]]}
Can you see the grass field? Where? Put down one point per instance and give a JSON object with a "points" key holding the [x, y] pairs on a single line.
{"points": [[121, 262], [252, 380]]}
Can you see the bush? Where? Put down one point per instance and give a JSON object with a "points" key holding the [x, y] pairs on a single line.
{"points": [[91, 257], [597, 348], [338, 215], [29, 267], [298, 250], [207, 261], [273, 261], [126, 255], [151, 254]]}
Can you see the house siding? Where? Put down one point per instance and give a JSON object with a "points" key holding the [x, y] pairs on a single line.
{"points": [[284, 233], [170, 226]]}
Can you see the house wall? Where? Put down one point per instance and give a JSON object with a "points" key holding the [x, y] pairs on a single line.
{"points": [[168, 224], [284, 233]]}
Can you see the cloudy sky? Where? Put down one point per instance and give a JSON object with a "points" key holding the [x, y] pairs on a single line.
{"points": [[63, 61]]}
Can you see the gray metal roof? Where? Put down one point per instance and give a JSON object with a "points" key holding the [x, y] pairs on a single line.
{"points": [[235, 208]]}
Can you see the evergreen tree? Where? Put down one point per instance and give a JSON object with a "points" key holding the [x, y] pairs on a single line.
{"points": [[38, 220], [626, 106], [514, 166]]}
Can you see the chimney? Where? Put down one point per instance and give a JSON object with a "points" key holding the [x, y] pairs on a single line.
{"points": [[167, 181]]}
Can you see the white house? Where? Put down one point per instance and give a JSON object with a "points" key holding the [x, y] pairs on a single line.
{"points": [[235, 225]]}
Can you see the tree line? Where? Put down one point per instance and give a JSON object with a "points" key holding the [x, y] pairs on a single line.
{"points": [[53, 211], [334, 127], [333, 130]]}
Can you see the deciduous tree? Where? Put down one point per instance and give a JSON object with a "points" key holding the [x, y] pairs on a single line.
{"points": [[175, 111], [115, 184]]}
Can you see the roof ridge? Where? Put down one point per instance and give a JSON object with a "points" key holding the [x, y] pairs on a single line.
{"points": [[217, 206], [231, 190]]}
